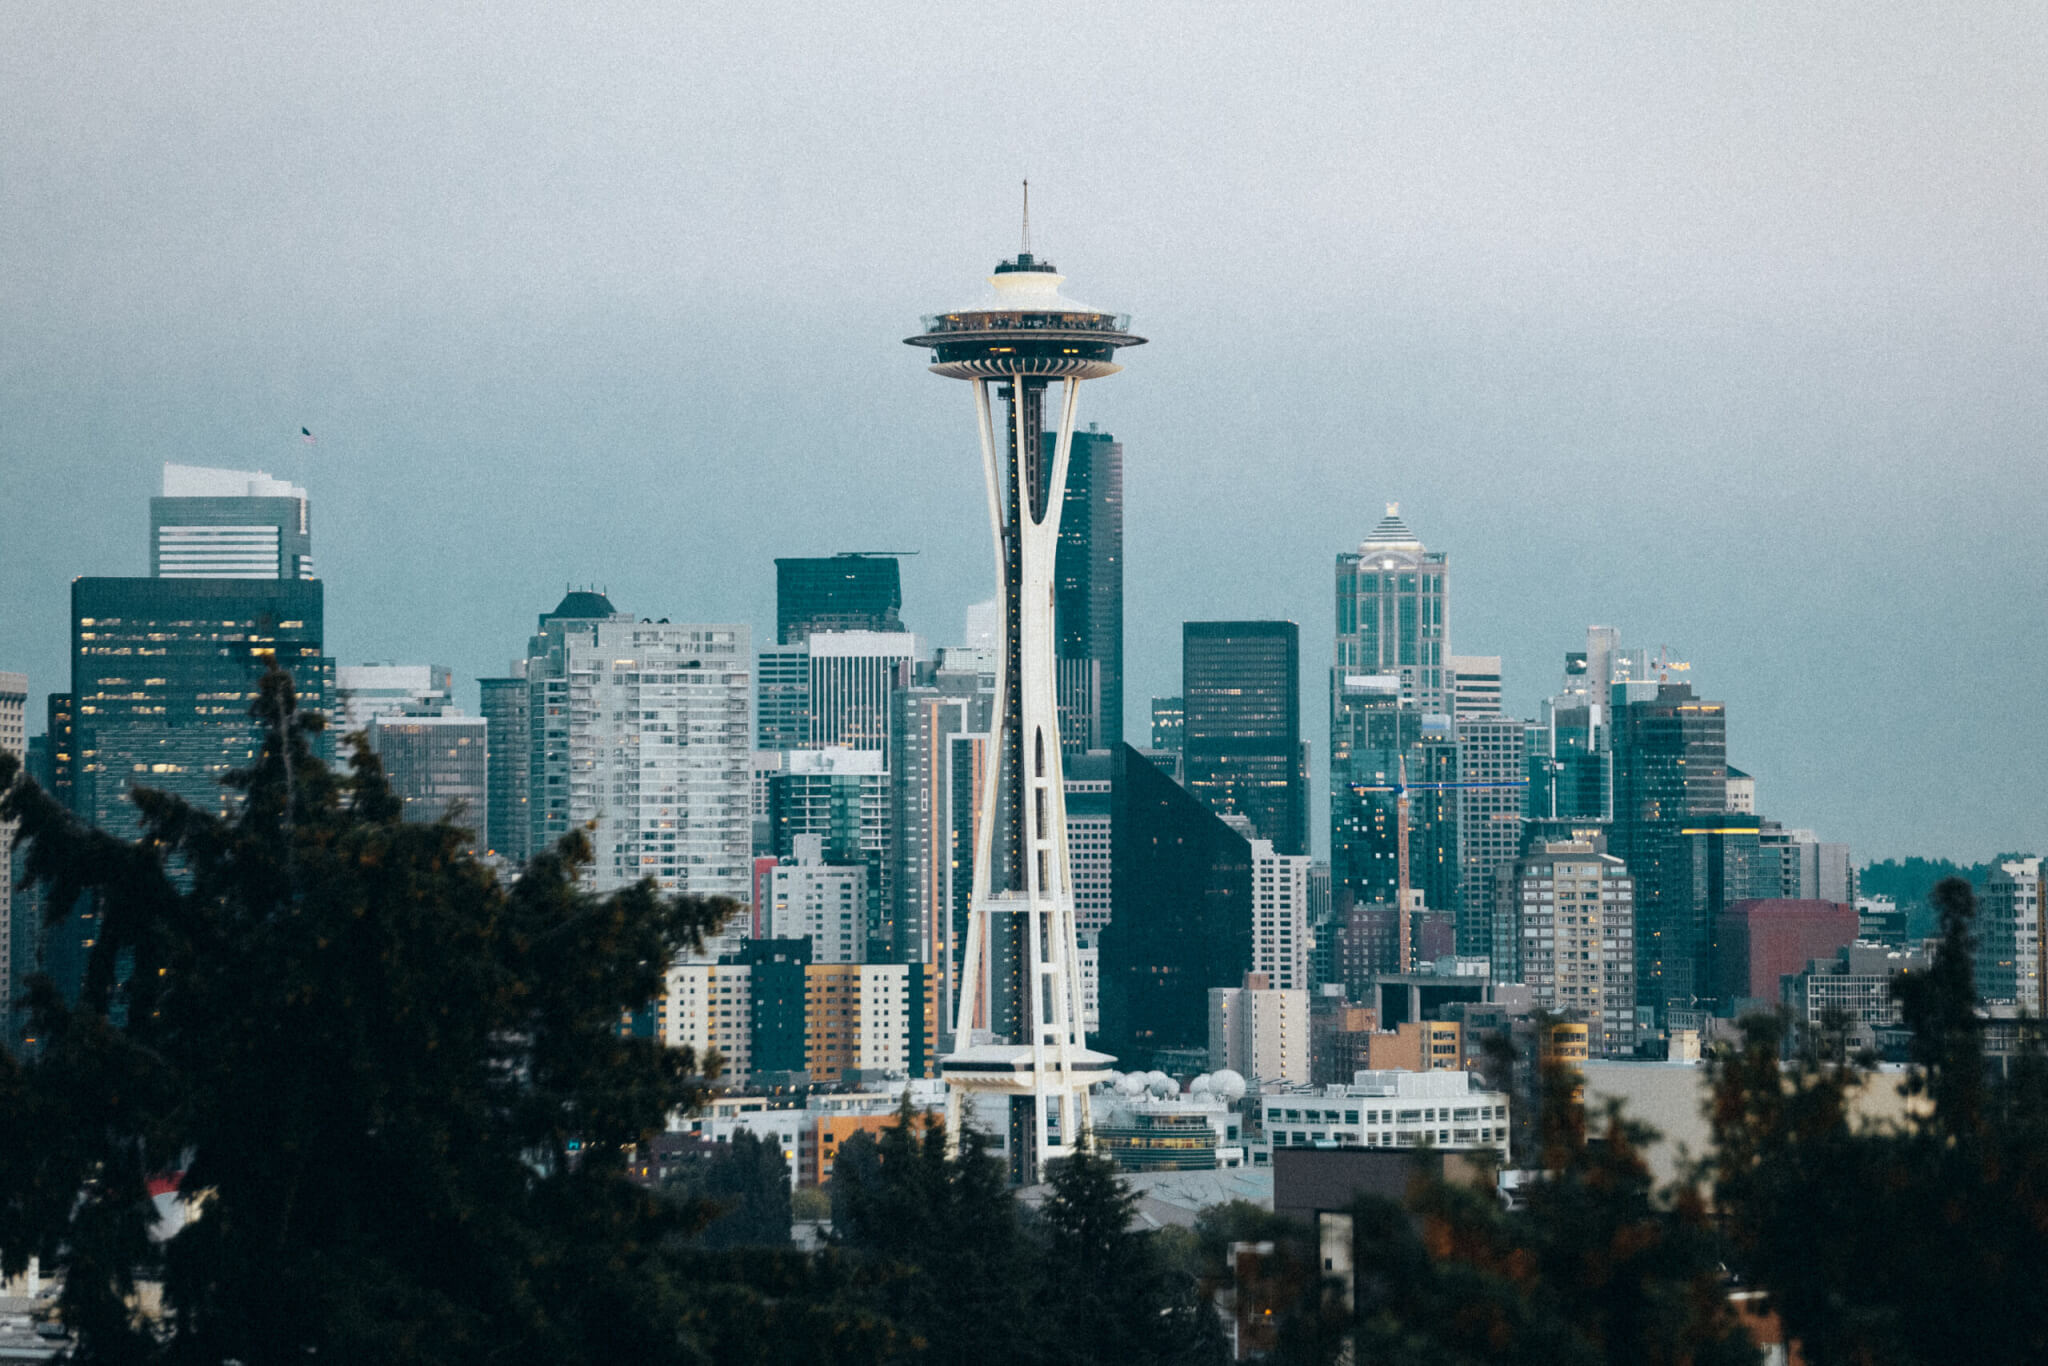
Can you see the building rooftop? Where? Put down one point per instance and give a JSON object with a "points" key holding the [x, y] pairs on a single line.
{"points": [[1391, 533], [203, 481], [579, 605]]}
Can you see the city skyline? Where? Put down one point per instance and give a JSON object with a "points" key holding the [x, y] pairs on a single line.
{"points": [[1630, 384]]}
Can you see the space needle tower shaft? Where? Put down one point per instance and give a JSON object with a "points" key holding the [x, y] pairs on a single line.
{"points": [[1018, 1036]]}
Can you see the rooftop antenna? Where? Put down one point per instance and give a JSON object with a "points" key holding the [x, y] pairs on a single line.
{"points": [[1027, 218]]}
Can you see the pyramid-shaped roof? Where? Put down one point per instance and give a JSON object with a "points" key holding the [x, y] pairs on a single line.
{"points": [[1392, 531]]}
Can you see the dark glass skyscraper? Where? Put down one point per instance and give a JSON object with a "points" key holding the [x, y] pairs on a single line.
{"points": [[163, 673], [507, 831], [1241, 732], [848, 592], [1670, 776], [1182, 882], [1088, 592]]}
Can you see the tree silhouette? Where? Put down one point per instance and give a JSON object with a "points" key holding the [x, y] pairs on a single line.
{"points": [[392, 1092]]}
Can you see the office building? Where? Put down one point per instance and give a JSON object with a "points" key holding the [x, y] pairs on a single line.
{"points": [[843, 797], [1090, 817], [640, 732], [1241, 730], [1564, 926], [14, 741], [1259, 1031], [852, 675], [1169, 718], [229, 524], [1183, 919], [1742, 794], [1088, 592], [1443, 1110], [1761, 941], [1795, 865], [508, 748], [1670, 764], [1397, 751], [1492, 791], [438, 766], [782, 707], [1393, 601], [2009, 966], [1475, 686], [1705, 869], [1854, 987], [1281, 937], [363, 691], [855, 591], [163, 674], [930, 841], [826, 903]]}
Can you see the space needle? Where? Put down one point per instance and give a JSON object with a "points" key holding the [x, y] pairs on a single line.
{"points": [[1018, 1038]]}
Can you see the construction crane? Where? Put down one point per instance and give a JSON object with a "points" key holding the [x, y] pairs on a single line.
{"points": [[1406, 902]]}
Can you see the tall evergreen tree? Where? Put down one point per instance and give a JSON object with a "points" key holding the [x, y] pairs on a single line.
{"points": [[392, 1092]]}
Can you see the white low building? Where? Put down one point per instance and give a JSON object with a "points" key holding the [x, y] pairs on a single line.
{"points": [[1443, 1110]]}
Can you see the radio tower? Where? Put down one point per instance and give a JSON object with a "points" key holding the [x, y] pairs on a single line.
{"points": [[1017, 1037]]}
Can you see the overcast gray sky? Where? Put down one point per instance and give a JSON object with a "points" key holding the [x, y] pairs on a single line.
{"points": [[1724, 325]]}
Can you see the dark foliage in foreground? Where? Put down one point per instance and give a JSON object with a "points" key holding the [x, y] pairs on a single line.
{"points": [[397, 1090], [1917, 1244]]}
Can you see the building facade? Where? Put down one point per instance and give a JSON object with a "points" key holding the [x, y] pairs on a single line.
{"points": [[848, 592], [229, 524], [1260, 1032], [1565, 926], [2011, 944], [1088, 592], [438, 766], [1281, 937], [640, 732], [364, 691], [823, 902], [1241, 725]]}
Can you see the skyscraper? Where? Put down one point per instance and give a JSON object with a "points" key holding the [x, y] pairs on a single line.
{"points": [[1493, 766], [1169, 721], [163, 673], [1088, 592], [437, 765], [927, 841], [1670, 775], [229, 524], [1563, 925], [1183, 921], [1393, 605], [852, 675], [854, 591], [509, 752], [365, 690], [640, 731], [1019, 1036], [14, 741], [1241, 736]]}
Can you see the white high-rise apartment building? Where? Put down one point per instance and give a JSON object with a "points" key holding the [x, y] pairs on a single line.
{"points": [[1564, 924], [229, 524], [1280, 931], [1259, 1031], [2009, 959], [823, 902], [13, 740], [647, 738]]}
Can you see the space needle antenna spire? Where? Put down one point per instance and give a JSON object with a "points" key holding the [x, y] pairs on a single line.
{"points": [[1018, 1058]]}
